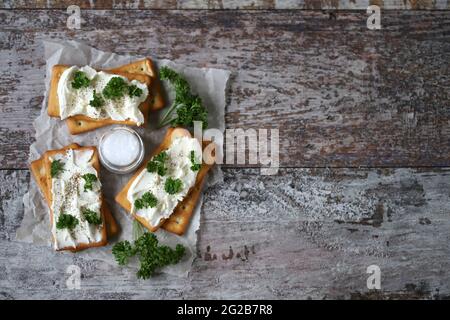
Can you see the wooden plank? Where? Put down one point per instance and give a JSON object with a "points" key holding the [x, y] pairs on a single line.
{"points": [[341, 95], [305, 233], [231, 4]]}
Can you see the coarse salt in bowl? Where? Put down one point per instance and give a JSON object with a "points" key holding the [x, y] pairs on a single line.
{"points": [[121, 150]]}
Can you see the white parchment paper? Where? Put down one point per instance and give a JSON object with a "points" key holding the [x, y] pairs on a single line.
{"points": [[51, 133]]}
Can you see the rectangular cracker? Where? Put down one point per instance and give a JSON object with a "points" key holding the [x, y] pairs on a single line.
{"points": [[44, 179], [179, 221], [80, 123], [146, 67], [40, 176]]}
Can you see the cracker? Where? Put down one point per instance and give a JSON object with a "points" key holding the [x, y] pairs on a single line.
{"points": [[179, 221], [144, 67], [80, 123], [39, 173]]}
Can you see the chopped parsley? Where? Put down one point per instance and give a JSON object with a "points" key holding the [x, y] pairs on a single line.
{"points": [[80, 80], [56, 167], [173, 186], [147, 200], [66, 221], [91, 216], [195, 166], [97, 101], [89, 178], [187, 106], [115, 88], [134, 91], [152, 256], [157, 163]]}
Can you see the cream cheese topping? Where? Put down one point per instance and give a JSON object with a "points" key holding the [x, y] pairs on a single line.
{"points": [[178, 167], [76, 101], [69, 197]]}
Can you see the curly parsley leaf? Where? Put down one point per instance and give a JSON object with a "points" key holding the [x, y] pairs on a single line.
{"points": [[157, 164], [172, 186], [147, 200], [115, 88], [187, 107], [151, 255], [122, 252], [134, 91], [161, 157], [89, 179], [91, 216], [97, 101], [195, 166], [80, 80], [66, 221], [56, 167]]}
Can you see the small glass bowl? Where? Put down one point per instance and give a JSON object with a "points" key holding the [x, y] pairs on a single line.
{"points": [[117, 168]]}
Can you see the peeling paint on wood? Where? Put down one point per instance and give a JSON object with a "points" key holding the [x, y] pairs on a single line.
{"points": [[230, 4], [277, 237]]}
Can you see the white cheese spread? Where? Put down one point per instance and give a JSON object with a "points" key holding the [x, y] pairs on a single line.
{"points": [[178, 167], [70, 197], [74, 101]]}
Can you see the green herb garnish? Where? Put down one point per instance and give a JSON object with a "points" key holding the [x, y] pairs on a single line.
{"points": [[66, 221], [122, 251], [91, 216], [173, 186], [115, 88], [187, 106], [89, 178], [97, 101], [80, 80], [147, 200], [134, 91], [56, 167], [195, 166], [157, 163], [151, 255]]}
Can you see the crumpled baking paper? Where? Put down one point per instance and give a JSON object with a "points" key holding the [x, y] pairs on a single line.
{"points": [[52, 133]]}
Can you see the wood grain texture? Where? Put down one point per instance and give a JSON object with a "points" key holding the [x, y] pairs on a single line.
{"points": [[229, 4], [305, 233], [341, 95]]}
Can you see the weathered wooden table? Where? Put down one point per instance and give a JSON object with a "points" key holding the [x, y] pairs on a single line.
{"points": [[364, 120]]}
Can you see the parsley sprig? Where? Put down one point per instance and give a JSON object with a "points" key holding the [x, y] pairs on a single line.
{"points": [[186, 106], [91, 216], [66, 221], [80, 80], [56, 167], [89, 179], [195, 166], [157, 164], [151, 255], [147, 200], [172, 186]]}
